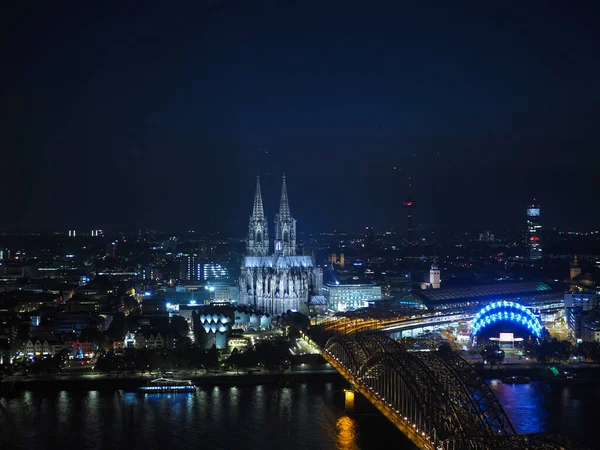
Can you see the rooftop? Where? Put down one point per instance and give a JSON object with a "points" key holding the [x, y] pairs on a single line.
{"points": [[483, 290], [351, 285], [278, 261]]}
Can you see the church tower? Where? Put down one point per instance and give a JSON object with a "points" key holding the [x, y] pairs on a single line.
{"points": [[434, 275], [285, 226], [257, 243]]}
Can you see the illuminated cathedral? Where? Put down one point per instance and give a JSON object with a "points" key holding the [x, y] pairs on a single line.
{"points": [[278, 280]]}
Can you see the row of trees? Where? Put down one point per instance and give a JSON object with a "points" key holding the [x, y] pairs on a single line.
{"points": [[273, 355], [546, 352], [555, 351], [39, 366], [148, 361], [491, 354]]}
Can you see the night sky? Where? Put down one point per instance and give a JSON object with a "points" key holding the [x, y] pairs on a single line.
{"points": [[160, 114]]}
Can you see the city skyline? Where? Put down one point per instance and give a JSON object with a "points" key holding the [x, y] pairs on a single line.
{"points": [[211, 226], [300, 224]]}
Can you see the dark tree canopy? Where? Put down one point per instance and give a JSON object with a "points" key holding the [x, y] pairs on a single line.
{"points": [[179, 326]]}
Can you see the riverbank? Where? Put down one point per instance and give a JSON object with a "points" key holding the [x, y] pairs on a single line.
{"points": [[589, 373], [583, 373], [132, 382]]}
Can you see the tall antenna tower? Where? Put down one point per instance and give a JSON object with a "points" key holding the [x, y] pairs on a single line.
{"points": [[409, 204]]}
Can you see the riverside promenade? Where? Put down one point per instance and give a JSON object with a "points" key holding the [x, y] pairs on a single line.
{"points": [[132, 381]]}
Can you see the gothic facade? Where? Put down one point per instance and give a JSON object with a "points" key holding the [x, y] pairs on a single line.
{"points": [[278, 281]]}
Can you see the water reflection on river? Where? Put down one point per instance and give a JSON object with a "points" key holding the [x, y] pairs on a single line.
{"points": [[542, 408], [301, 416]]}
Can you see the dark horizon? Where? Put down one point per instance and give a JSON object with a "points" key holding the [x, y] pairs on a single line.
{"points": [[160, 116]]}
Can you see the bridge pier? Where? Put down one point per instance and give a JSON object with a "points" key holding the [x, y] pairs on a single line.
{"points": [[349, 400]]}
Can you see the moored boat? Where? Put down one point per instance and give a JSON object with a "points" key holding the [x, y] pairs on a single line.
{"points": [[160, 385], [568, 378], [515, 379]]}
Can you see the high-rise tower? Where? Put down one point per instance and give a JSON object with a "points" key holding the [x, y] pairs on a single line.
{"points": [[369, 238], [257, 243], [409, 205], [189, 267], [285, 226], [533, 231]]}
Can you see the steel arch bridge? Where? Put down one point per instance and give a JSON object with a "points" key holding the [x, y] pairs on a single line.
{"points": [[435, 398]]}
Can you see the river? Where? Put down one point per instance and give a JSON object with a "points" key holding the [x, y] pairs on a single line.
{"points": [[299, 416]]}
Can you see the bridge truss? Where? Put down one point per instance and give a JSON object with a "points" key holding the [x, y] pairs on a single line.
{"points": [[435, 398]]}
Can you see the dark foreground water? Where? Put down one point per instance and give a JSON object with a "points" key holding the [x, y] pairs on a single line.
{"points": [[302, 416], [542, 408]]}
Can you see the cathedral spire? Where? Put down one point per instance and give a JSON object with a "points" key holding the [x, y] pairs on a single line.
{"points": [[284, 206], [285, 226], [258, 212], [257, 243]]}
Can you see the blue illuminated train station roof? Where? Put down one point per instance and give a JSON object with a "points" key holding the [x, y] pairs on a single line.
{"points": [[466, 296]]}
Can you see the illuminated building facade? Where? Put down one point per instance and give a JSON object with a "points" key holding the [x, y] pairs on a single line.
{"points": [[577, 307], [185, 295], [214, 271], [533, 232], [590, 330], [339, 260], [189, 268], [151, 273], [347, 297], [282, 281], [224, 293]]}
